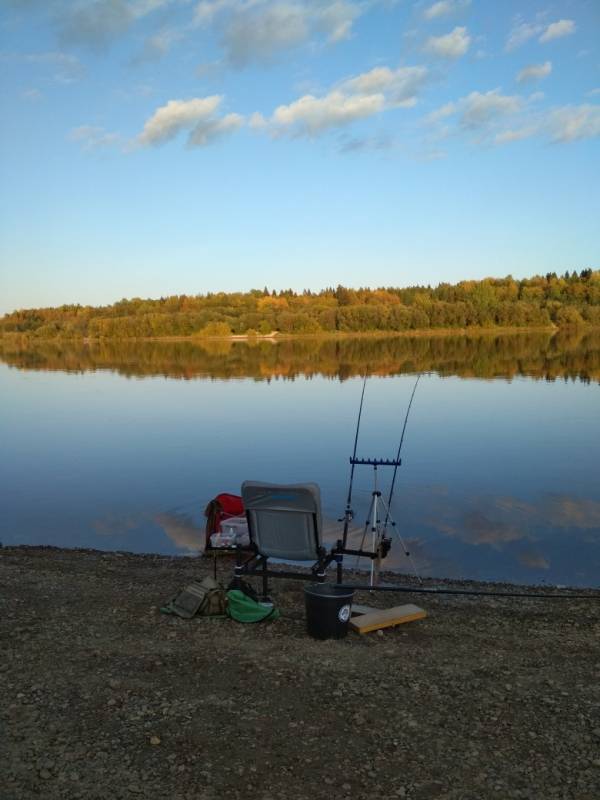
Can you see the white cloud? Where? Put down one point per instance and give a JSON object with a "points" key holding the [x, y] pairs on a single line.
{"points": [[207, 130], [198, 116], [92, 137], [438, 9], [255, 31], [571, 123], [480, 113], [96, 24], [207, 10], [504, 137], [257, 121], [400, 85], [177, 115], [258, 33], [441, 113], [336, 19], [479, 110], [157, 46], [444, 8], [352, 99], [556, 30], [560, 125], [493, 117], [452, 45], [534, 72], [521, 32], [309, 115], [593, 92]]}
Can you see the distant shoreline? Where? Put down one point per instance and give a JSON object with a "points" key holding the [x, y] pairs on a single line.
{"points": [[279, 337], [275, 336]]}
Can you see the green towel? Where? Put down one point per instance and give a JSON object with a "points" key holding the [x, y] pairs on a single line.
{"points": [[242, 608]]}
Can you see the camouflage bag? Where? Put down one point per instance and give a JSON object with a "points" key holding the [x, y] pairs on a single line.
{"points": [[205, 598]]}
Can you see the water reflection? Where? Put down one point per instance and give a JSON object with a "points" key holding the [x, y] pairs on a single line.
{"points": [[533, 559], [499, 478], [566, 354], [528, 536]]}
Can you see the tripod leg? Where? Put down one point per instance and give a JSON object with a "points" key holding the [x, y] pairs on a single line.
{"points": [[391, 521]]}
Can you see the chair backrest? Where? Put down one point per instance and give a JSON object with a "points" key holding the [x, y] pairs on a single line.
{"points": [[284, 521]]}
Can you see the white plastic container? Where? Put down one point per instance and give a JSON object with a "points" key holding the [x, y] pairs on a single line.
{"points": [[236, 527], [222, 540]]}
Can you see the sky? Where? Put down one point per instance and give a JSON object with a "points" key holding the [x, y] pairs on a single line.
{"points": [[158, 147]]}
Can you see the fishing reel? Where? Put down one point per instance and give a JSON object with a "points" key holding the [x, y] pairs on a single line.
{"points": [[384, 546], [348, 516]]}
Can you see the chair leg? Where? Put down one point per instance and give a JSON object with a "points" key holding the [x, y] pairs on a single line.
{"points": [[339, 557], [265, 580], [239, 567]]}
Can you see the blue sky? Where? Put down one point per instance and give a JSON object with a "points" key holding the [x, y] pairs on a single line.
{"points": [[154, 147]]}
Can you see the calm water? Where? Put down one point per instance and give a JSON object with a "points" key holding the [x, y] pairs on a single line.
{"points": [[121, 445]]}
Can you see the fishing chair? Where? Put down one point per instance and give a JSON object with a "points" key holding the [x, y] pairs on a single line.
{"points": [[284, 522]]}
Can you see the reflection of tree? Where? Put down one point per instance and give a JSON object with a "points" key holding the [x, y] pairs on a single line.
{"points": [[567, 354]]}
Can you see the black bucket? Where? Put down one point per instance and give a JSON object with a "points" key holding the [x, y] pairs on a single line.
{"points": [[327, 610]]}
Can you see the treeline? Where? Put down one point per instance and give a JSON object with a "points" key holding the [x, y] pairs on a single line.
{"points": [[572, 353], [568, 300]]}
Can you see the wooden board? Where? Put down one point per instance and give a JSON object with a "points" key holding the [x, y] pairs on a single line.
{"points": [[358, 608], [384, 619]]}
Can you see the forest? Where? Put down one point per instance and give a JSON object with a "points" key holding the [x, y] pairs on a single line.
{"points": [[562, 301]]}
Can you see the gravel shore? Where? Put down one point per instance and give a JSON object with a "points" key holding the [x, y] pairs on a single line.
{"points": [[104, 697]]}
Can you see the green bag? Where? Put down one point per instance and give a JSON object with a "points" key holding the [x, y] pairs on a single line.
{"points": [[242, 608]]}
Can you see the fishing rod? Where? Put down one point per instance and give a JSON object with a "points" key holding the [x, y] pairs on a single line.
{"points": [[349, 514], [393, 483], [439, 590], [378, 499]]}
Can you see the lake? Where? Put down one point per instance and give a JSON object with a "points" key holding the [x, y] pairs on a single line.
{"points": [[120, 445]]}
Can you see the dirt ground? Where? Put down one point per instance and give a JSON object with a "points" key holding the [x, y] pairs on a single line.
{"points": [[102, 696]]}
